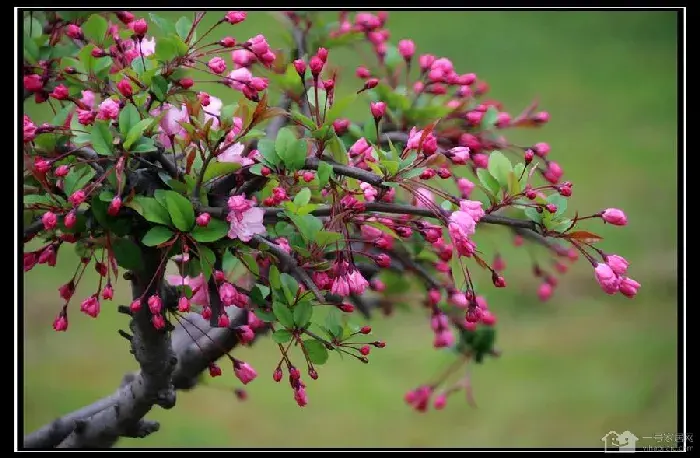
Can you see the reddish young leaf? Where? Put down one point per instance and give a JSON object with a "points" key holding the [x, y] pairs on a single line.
{"points": [[585, 236]]}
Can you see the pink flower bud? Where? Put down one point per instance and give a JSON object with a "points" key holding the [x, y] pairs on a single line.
{"points": [[70, 219], [135, 305], [322, 54], [158, 321], [114, 206], [235, 17], [91, 306], [541, 117], [108, 292], [459, 155], [341, 126], [618, 264], [61, 322], [316, 66], [186, 83], [125, 87], [49, 219], [77, 198], [614, 216], [465, 187], [362, 72], [155, 305], [60, 92], [426, 61], [125, 16], [629, 287], [183, 305], [33, 82], [139, 26], [41, 165], [214, 370], [544, 292], [108, 109], [228, 42], [364, 350], [217, 65], [203, 219], [474, 117], [541, 149], [73, 31], [244, 372], [378, 109], [371, 83], [606, 277], [553, 173], [406, 48], [224, 320], [440, 402], [498, 281], [300, 67]]}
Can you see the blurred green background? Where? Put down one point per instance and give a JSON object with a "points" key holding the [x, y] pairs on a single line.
{"points": [[572, 369]]}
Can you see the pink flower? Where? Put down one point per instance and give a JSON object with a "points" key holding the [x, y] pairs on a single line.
{"points": [[91, 306], [607, 279], [360, 147], [86, 117], [88, 98], [300, 396], [244, 372], [459, 155], [239, 77], [60, 92], [541, 149], [49, 219], [429, 143], [200, 291], [283, 243], [108, 109], [77, 198], [203, 219], [357, 282], [155, 305], [245, 334], [545, 291], [183, 304], [147, 46], [235, 17], [629, 287], [227, 293], [369, 191], [378, 109], [61, 322], [553, 173], [444, 338], [245, 220], [614, 216], [217, 65], [234, 154], [340, 286], [139, 26], [170, 123], [406, 48], [259, 45], [124, 87], [29, 129], [158, 321], [461, 224], [242, 58], [465, 187], [33, 82], [617, 263], [440, 401], [458, 299], [473, 207]]}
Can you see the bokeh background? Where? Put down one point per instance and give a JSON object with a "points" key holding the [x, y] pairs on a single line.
{"points": [[572, 369]]}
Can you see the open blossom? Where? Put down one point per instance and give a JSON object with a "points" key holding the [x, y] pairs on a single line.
{"points": [[369, 191], [356, 282], [414, 141], [147, 46], [234, 153], [242, 58], [217, 65], [473, 207], [608, 280], [108, 109], [200, 291], [245, 219], [213, 110], [239, 77], [459, 155], [614, 216]]}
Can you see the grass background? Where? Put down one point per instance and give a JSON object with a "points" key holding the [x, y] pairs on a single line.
{"points": [[572, 369]]}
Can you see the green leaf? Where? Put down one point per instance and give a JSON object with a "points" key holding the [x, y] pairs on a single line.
{"points": [[317, 352], [215, 230], [324, 172], [500, 168], [560, 201], [488, 181], [369, 130], [144, 145], [206, 261], [302, 198], [386, 229], [294, 157], [183, 27], [559, 225], [164, 24], [289, 286], [339, 106], [159, 87], [62, 115], [127, 253], [150, 209], [179, 208], [333, 322], [323, 238], [258, 294], [281, 336], [302, 314], [77, 178], [250, 263], [312, 98], [166, 49], [274, 277], [308, 226], [489, 119], [101, 138], [457, 271], [285, 139], [217, 169], [32, 27], [136, 131], [283, 314], [229, 262], [128, 118], [413, 173], [303, 120], [533, 214], [267, 147], [338, 151], [85, 57], [157, 235], [95, 28], [392, 58]]}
